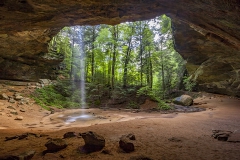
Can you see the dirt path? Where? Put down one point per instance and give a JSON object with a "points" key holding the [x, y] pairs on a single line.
{"points": [[182, 136]]}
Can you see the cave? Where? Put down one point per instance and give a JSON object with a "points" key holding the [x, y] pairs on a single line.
{"points": [[206, 34]]}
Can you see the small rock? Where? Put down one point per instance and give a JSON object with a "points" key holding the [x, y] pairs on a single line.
{"points": [[4, 96], [21, 103], [69, 135], [17, 94], [223, 137], [26, 155], [11, 107], [14, 112], [131, 136], [93, 142], [22, 110], [18, 97], [45, 82], [19, 118], [11, 100], [126, 143], [106, 151], [55, 145], [174, 139]]}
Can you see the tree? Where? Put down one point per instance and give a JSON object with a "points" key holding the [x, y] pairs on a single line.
{"points": [[127, 48], [115, 33]]}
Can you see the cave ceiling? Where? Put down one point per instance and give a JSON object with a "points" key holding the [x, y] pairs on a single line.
{"points": [[206, 33]]}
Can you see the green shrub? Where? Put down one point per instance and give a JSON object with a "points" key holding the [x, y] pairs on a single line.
{"points": [[163, 106], [188, 83], [133, 105], [50, 96]]}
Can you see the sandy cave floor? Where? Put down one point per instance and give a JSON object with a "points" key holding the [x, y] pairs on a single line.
{"points": [[174, 136]]}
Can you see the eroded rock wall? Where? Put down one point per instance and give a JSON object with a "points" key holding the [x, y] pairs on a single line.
{"points": [[215, 67], [206, 33]]}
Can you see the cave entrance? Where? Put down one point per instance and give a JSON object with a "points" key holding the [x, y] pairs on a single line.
{"points": [[135, 59]]}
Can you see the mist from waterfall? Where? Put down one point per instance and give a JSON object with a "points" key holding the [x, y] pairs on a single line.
{"points": [[82, 68], [78, 68]]}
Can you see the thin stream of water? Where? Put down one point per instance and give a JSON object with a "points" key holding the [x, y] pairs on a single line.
{"points": [[82, 69]]}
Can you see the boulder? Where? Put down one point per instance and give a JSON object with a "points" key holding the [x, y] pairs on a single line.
{"points": [[55, 145], [93, 142], [184, 100], [126, 143]]}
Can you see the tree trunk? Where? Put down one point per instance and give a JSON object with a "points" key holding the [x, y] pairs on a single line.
{"points": [[115, 35], [150, 70], [127, 58], [93, 54], [162, 69]]}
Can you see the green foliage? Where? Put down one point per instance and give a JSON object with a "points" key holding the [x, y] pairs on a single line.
{"points": [[154, 95], [163, 105], [188, 83], [132, 105], [144, 91], [118, 93], [60, 95]]}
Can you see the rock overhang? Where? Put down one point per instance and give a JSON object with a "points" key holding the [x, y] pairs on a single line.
{"points": [[206, 32]]}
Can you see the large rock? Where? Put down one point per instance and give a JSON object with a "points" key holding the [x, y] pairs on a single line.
{"points": [[206, 33], [126, 143], [93, 141], [184, 100], [55, 145]]}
